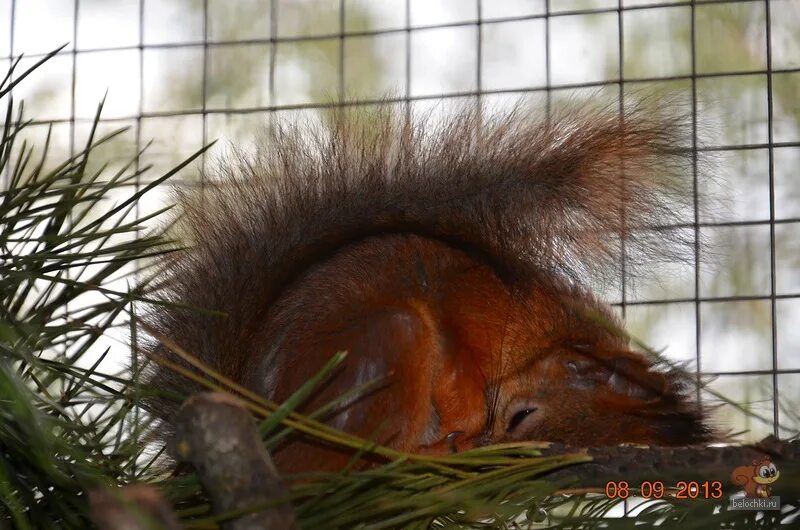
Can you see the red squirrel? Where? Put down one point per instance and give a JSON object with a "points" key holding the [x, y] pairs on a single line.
{"points": [[452, 262]]}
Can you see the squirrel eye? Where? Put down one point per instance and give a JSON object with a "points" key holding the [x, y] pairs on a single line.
{"points": [[519, 417], [763, 471]]}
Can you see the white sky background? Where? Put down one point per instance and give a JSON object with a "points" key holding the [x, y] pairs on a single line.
{"points": [[442, 61]]}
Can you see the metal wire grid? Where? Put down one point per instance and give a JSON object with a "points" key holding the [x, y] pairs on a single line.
{"points": [[407, 98]]}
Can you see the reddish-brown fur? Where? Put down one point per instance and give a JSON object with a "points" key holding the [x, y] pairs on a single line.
{"points": [[452, 263]]}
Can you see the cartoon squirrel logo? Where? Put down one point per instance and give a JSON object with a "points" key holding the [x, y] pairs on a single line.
{"points": [[756, 478]]}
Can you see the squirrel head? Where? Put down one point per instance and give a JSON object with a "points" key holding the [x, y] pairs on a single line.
{"points": [[764, 471]]}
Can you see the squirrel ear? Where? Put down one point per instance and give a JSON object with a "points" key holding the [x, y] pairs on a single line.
{"points": [[620, 372]]}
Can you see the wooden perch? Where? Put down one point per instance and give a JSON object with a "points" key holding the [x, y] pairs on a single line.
{"points": [[635, 464], [218, 436]]}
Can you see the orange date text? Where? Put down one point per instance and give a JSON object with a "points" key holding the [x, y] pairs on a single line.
{"points": [[656, 489]]}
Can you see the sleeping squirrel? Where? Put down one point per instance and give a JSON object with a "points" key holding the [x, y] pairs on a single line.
{"points": [[453, 262]]}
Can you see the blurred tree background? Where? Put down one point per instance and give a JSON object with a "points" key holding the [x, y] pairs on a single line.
{"points": [[215, 69]]}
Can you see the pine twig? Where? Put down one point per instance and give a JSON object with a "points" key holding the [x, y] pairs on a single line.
{"points": [[217, 434]]}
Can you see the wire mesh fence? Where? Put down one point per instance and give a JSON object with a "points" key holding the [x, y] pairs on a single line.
{"points": [[186, 72]]}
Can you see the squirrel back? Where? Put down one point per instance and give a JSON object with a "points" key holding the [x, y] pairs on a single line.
{"points": [[452, 262]]}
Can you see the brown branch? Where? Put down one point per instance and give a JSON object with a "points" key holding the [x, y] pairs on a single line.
{"points": [[636, 464], [217, 435], [131, 508]]}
